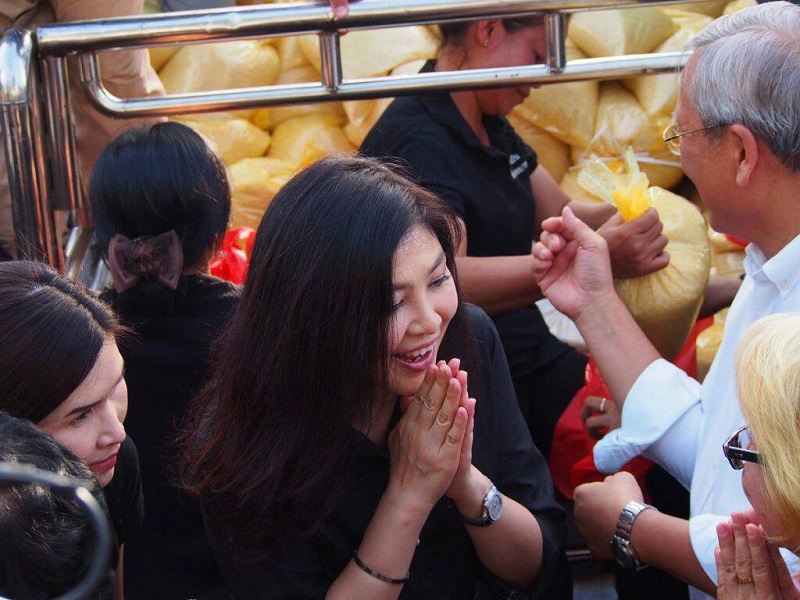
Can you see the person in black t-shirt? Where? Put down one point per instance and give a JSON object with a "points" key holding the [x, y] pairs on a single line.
{"points": [[61, 369], [161, 204], [460, 146], [339, 450]]}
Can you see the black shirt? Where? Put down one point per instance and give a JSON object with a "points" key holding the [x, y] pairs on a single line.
{"points": [[123, 495], [166, 363], [487, 186], [445, 564]]}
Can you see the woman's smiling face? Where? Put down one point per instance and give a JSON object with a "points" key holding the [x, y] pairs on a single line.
{"points": [[424, 302], [89, 421]]}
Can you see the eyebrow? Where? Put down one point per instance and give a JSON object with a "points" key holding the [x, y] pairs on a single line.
{"points": [[438, 263], [85, 407]]}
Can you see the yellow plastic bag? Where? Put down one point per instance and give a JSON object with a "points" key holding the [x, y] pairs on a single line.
{"points": [[620, 31], [254, 183], [708, 343], [233, 139], [567, 111], [665, 303], [553, 154], [302, 140]]}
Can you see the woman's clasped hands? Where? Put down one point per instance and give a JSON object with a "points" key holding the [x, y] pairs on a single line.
{"points": [[749, 566], [431, 446]]}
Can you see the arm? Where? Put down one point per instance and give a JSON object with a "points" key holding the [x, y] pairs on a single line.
{"points": [[573, 269], [658, 539]]}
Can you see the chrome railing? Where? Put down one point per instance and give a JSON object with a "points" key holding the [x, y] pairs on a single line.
{"points": [[41, 153]]}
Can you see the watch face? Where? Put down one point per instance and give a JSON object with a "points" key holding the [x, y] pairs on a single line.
{"points": [[494, 505], [622, 553]]}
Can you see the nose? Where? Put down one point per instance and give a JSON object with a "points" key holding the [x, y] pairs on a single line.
{"points": [[427, 320], [113, 431]]}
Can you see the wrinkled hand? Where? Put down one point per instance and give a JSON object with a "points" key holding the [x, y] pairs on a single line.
{"points": [[425, 446], [599, 416], [341, 8], [597, 508], [749, 567], [571, 264], [636, 247]]}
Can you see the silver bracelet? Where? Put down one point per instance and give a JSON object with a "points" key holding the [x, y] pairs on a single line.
{"points": [[377, 574]]}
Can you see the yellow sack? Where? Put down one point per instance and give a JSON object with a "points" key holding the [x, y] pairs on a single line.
{"points": [[620, 31], [567, 111], [161, 55], [727, 257], [737, 5], [708, 343], [302, 140], [713, 8], [254, 183], [375, 52], [553, 155], [658, 94], [295, 68], [569, 185], [221, 66], [665, 303], [232, 139]]}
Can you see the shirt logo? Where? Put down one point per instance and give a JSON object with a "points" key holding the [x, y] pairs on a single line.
{"points": [[517, 165]]}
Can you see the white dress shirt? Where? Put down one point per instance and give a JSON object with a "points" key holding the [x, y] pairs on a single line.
{"points": [[680, 424]]}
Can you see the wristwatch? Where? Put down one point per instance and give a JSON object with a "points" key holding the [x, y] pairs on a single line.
{"points": [[492, 509], [621, 542]]}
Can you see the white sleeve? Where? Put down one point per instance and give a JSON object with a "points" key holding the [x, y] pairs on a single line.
{"points": [[661, 417]]}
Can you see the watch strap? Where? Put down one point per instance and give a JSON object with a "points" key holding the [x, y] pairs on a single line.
{"points": [[621, 542]]}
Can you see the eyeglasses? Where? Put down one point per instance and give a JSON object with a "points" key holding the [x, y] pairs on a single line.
{"points": [[672, 137], [736, 449]]}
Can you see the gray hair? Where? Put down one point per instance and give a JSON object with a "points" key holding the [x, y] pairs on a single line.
{"points": [[747, 71]]}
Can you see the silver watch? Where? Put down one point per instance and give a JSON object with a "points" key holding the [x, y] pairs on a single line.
{"points": [[624, 553], [492, 509]]}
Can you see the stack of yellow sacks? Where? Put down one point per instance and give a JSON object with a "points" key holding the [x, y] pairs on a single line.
{"points": [[565, 123]]}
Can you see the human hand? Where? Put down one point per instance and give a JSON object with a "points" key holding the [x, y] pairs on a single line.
{"points": [[599, 416], [636, 247], [597, 508], [571, 264], [341, 8], [748, 566], [425, 446]]}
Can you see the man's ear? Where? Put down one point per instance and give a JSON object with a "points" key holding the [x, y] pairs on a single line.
{"points": [[745, 149]]}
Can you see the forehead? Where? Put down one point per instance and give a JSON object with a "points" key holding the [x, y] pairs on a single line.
{"points": [[419, 249]]}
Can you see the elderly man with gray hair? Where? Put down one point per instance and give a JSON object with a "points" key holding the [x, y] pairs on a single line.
{"points": [[736, 129]]}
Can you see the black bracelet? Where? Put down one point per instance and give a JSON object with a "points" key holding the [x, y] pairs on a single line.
{"points": [[377, 574]]}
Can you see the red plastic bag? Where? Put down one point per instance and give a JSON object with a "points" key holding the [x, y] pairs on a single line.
{"points": [[571, 456], [231, 260]]}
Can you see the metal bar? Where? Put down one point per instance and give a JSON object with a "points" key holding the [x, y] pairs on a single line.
{"points": [[20, 123], [331, 63], [67, 193], [358, 89], [555, 31], [286, 19]]}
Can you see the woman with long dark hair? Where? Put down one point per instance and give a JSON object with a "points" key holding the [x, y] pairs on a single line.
{"points": [[337, 449]]}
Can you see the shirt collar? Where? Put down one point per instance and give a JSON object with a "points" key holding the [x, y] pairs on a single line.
{"points": [[780, 270], [442, 108]]}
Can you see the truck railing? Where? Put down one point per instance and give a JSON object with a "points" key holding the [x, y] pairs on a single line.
{"points": [[38, 130]]}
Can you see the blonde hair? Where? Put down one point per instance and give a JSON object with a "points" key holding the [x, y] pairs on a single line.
{"points": [[768, 379]]}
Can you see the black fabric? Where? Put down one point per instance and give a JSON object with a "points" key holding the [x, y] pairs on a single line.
{"points": [[124, 495], [166, 363], [445, 564], [489, 188]]}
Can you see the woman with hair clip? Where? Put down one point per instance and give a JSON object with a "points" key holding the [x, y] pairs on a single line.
{"points": [[338, 449], [35, 519], [161, 204], [749, 562], [60, 369]]}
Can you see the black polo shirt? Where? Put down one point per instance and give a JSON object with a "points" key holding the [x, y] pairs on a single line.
{"points": [[487, 186], [445, 565]]}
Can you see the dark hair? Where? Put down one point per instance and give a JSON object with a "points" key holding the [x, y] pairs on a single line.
{"points": [[299, 363], [51, 333], [158, 178], [47, 538], [453, 33]]}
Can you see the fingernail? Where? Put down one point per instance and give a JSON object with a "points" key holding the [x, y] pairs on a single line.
{"points": [[341, 11]]}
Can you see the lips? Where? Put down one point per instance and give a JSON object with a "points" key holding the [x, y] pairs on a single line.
{"points": [[418, 359], [105, 465]]}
